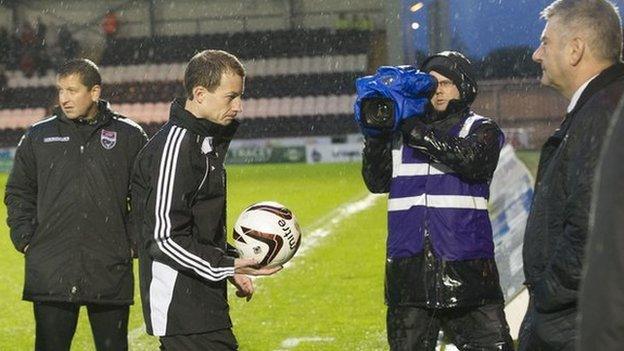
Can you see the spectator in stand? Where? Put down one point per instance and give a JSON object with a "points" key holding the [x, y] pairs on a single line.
{"points": [[27, 35], [3, 79], [5, 46], [26, 54], [110, 25], [41, 59], [69, 46], [14, 49]]}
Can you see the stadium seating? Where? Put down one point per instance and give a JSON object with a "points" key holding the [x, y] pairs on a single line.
{"points": [[255, 87], [296, 79], [20, 118], [246, 45], [173, 72]]}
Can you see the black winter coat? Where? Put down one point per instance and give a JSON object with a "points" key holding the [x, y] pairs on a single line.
{"points": [[557, 226], [67, 199], [601, 301]]}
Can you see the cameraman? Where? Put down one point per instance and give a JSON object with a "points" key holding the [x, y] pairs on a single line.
{"points": [[437, 167]]}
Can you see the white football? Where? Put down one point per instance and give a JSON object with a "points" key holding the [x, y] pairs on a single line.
{"points": [[268, 232]]}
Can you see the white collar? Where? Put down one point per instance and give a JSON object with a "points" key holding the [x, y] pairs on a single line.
{"points": [[206, 146], [577, 94]]}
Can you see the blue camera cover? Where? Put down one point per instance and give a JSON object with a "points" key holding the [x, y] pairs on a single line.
{"points": [[407, 87]]}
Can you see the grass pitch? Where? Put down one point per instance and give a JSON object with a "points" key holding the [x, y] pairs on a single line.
{"points": [[330, 298]]}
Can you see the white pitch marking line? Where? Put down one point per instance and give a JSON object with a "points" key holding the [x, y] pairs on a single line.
{"points": [[291, 343], [326, 224], [324, 227]]}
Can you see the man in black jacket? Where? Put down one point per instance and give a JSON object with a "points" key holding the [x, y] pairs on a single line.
{"points": [[580, 55], [440, 267], [178, 201], [67, 201]]}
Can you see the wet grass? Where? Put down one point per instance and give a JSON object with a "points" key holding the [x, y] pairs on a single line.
{"points": [[530, 159], [329, 299], [310, 191]]}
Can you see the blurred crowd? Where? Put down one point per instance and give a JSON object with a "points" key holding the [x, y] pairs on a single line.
{"points": [[27, 48]]}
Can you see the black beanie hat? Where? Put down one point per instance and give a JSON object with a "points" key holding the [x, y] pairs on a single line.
{"points": [[458, 69]]}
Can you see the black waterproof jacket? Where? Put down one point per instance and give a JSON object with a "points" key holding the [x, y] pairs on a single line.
{"points": [[67, 199], [423, 279], [601, 301], [557, 226], [178, 200]]}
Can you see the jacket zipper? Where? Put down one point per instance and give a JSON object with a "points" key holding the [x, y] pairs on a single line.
{"points": [[75, 290], [205, 174]]}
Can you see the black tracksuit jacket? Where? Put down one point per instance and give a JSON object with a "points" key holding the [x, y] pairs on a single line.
{"points": [[67, 199], [178, 200]]}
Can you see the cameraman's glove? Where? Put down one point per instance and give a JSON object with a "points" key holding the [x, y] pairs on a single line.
{"points": [[390, 96]]}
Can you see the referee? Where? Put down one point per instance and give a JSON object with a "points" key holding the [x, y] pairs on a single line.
{"points": [[178, 198]]}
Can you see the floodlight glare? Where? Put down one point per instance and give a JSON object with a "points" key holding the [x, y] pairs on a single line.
{"points": [[417, 6]]}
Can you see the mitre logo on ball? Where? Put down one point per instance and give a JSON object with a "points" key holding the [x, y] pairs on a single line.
{"points": [[268, 232]]}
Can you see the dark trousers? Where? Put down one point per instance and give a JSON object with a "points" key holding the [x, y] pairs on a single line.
{"points": [[481, 328], [220, 340], [56, 324], [554, 331]]}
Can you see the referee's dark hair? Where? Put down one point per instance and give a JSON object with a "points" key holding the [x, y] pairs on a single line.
{"points": [[88, 71], [206, 68]]}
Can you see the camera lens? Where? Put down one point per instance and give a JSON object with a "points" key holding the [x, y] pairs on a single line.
{"points": [[378, 112]]}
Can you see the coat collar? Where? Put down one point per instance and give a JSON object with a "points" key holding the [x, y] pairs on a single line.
{"points": [[103, 115], [179, 116], [603, 79]]}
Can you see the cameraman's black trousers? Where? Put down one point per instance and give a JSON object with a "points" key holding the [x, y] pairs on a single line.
{"points": [[482, 328], [56, 324]]}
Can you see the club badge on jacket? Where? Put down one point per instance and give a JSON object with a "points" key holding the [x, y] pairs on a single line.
{"points": [[108, 139]]}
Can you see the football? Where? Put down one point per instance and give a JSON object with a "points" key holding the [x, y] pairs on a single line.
{"points": [[268, 232]]}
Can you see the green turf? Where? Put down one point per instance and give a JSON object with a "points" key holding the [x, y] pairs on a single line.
{"points": [[311, 191], [530, 159], [334, 292]]}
